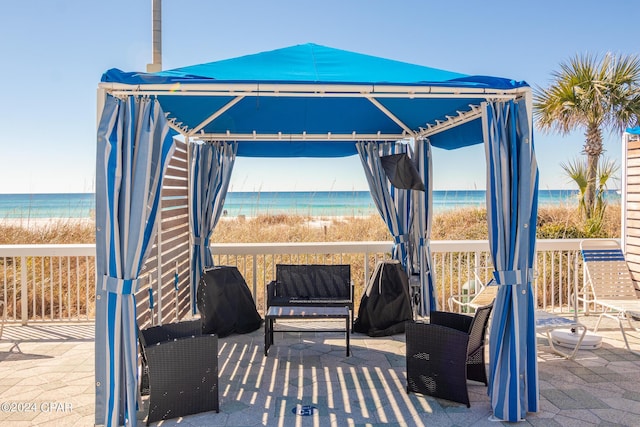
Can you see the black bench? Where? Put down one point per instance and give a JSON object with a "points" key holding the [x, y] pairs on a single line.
{"points": [[319, 285]]}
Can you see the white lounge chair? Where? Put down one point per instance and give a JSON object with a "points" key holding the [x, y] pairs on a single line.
{"points": [[608, 284], [546, 323], [470, 302]]}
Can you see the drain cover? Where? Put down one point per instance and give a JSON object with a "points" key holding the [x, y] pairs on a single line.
{"points": [[304, 410]]}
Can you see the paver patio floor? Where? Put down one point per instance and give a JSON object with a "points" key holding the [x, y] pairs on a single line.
{"points": [[47, 376]]}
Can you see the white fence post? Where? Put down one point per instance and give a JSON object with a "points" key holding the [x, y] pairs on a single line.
{"points": [[24, 291]]}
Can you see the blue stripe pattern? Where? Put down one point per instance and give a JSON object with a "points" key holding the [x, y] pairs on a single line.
{"points": [[134, 144], [399, 207], [210, 174], [423, 208], [591, 255], [512, 210], [393, 204]]}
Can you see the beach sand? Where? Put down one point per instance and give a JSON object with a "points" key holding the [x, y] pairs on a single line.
{"points": [[33, 223]]}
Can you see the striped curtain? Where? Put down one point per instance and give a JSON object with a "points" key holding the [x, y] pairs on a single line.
{"points": [[210, 173], [512, 188], [134, 145], [423, 207], [392, 203]]}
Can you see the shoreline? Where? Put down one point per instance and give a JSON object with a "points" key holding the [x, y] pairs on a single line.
{"points": [[43, 222], [35, 223]]}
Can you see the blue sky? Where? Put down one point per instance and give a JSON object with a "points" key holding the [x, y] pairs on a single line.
{"points": [[54, 52]]}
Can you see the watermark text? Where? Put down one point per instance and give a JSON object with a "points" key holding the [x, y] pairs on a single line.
{"points": [[22, 407]]}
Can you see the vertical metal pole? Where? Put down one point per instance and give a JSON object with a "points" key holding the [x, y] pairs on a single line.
{"points": [[156, 37]]}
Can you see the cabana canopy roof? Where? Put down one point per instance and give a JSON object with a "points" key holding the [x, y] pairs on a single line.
{"points": [[315, 101]]}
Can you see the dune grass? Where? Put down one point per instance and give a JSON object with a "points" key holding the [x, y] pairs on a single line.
{"points": [[555, 222], [462, 224], [60, 231], [60, 286]]}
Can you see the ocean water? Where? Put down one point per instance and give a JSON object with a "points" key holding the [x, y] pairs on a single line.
{"points": [[312, 203], [54, 205]]}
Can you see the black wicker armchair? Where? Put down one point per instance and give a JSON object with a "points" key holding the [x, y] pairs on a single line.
{"points": [[443, 354], [182, 369]]}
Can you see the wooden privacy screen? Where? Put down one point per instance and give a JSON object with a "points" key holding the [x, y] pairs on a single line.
{"points": [[170, 253], [631, 209]]}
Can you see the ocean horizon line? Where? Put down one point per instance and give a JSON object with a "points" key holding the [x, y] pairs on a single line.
{"points": [[315, 203], [291, 191]]}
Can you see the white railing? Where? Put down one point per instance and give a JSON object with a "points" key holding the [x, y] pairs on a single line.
{"points": [[456, 265], [59, 280]]}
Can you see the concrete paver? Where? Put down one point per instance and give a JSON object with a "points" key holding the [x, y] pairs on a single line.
{"points": [[47, 375]]}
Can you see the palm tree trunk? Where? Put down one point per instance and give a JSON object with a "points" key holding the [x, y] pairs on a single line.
{"points": [[593, 149], [590, 193]]}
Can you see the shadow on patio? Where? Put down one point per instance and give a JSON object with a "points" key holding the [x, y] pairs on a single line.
{"points": [[308, 380]]}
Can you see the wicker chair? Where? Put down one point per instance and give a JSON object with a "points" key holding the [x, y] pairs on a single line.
{"points": [[444, 354], [182, 369]]}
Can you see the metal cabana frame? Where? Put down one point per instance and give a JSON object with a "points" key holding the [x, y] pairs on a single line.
{"points": [[240, 106], [370, 92]]}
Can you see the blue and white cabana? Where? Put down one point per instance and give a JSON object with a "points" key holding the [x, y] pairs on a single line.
{"points": [[314, 101]]}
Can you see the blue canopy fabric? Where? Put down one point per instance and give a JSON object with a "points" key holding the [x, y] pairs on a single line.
{"points": [[512, 211], [210, 173], [133, 148], [309, 63], [634, 131], [270, 108]]}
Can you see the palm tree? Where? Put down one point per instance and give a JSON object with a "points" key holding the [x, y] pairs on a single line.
{"points": [[593, 94], [577, 171]]}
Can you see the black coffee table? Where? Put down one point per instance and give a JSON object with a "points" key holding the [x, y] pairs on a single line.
{"points": [[306, 313]]}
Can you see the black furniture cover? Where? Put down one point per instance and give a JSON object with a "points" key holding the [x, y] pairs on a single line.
{"points": [[225, 302], [385, 306], [402, 172]]}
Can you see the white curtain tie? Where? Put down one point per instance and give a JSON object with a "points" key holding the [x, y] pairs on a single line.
{"points": [[116, 285], [403, 238], [199, 240]]}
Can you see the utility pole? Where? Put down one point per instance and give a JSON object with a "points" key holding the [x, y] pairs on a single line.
{"points": [[156, 37]]}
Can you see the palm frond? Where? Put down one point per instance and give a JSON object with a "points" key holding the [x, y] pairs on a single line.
{"points": [[588, 90], [577, 170]]}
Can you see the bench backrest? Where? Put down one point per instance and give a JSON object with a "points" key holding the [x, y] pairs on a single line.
{"points": [[313, 281]]}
